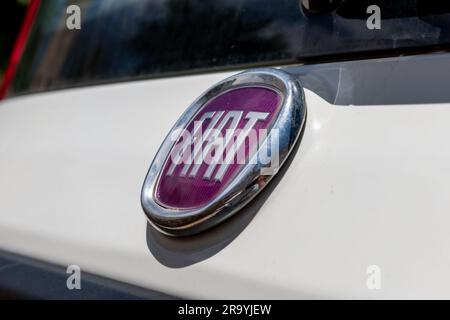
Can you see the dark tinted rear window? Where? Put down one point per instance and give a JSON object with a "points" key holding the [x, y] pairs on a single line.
{"points": [[129, 39]]}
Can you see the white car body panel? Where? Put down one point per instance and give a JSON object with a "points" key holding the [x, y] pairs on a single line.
{"points": [[368, 185]]}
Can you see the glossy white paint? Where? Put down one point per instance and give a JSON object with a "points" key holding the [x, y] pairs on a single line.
{"points": [[368, 185]]}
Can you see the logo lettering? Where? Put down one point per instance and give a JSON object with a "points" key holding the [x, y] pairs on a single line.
{"points": [[218, 151]]}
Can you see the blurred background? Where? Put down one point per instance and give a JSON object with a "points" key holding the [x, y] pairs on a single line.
{"points": [[11, 15]]}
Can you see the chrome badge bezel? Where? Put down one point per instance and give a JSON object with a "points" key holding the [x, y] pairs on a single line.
{"points": [[248, 182]]}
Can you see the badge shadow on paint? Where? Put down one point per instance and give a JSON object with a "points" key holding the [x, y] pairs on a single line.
{"points": [[222, 153], [176, 252]]}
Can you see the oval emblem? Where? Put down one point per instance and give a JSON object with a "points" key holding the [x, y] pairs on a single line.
{"points": [[223, 151]]}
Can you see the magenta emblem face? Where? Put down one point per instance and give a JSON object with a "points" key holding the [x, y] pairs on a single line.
{"points": [[193, 184], [223, 150]]}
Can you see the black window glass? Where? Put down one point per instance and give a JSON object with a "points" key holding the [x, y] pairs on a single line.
{"points": [[128, 39]]}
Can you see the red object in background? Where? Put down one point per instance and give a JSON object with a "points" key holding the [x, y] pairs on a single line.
{"points": [[19, 46]]}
